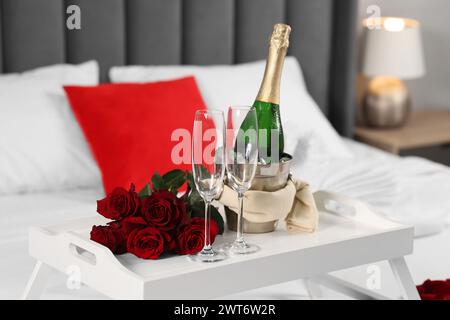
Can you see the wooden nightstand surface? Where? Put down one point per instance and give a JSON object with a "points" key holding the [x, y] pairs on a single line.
{"points": [[424, 128]]}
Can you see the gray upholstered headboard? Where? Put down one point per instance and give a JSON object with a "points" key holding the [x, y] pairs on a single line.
{"points": [[117, 32]]}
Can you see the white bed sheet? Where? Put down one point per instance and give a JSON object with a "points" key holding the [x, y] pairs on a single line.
{"points": [[408, 189], [17, 214], [411, 190]]}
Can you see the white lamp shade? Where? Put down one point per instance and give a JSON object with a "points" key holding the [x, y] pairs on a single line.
{"points": [[392, 47]]}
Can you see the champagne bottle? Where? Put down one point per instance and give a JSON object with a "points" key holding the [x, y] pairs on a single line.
{"points": [[267, 103]]}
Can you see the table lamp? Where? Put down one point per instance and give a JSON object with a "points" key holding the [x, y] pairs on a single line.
{"points": [[392, 50]]}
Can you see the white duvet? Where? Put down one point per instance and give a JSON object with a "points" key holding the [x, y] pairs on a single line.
{"points": [[411, 190]]}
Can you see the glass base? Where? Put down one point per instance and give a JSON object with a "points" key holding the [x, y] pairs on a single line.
{"points": [[239, 247], [208, 255]]}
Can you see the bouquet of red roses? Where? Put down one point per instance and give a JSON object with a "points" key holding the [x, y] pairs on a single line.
{"points": [[155, 220]]}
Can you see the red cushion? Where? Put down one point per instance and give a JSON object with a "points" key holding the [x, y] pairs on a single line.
{"points": [[129, 126]]}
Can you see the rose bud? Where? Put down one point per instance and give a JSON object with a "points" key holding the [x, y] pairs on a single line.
{"points": [[119, 203], [163, 210], [191, 236], [146, 243]]}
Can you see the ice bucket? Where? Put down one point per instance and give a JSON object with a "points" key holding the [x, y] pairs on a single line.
{"points": [[267, 178]]}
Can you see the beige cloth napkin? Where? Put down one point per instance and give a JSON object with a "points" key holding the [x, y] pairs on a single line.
{"points": [[294, 203]]}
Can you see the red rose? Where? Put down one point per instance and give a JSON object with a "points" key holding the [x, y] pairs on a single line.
{"points": [[191, 236], [434, 290], [111, 237], [170, 243], [146, 243], [163, 210], [128, 224], [119, 203]]}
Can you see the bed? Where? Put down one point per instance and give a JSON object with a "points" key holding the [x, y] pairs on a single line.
{"points": [[118, 32]]}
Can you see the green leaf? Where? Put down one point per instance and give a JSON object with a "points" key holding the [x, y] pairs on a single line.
{"points": [[195, 198], [145, 192], [198, 210], [190, 180], [188, 213], [204, 172], [174, 179], [158, 182]]}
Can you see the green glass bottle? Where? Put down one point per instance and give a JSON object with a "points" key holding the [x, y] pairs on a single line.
{"points": [[267, 103]]}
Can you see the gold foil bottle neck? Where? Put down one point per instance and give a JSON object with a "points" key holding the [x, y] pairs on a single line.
{"points": [[280, 35], [278, 44]]}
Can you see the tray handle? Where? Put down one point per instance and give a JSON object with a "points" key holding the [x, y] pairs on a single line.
{"points": [[91, 253], [83, 254], [86, 251], [350, 208], [72, 253]]}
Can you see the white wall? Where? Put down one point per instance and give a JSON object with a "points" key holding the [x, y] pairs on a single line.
{"points": [[433, 90]]}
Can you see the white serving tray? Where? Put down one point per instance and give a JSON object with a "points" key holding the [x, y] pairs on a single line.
{"points": [[349, 234]]}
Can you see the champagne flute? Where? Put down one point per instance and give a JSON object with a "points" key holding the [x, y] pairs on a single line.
{"points": [[241, 159], [208, 168]]}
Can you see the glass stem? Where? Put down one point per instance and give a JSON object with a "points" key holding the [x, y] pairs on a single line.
{"points": [[207, 226], [240, 222]]}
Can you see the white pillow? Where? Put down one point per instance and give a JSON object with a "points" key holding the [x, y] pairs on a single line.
{"points": [[41, 144], [225, 85]]}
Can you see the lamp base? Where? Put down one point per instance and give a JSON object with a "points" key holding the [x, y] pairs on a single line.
{"points": [[387, 103]]}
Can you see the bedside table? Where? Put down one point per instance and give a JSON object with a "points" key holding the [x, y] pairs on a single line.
{"points": [[425, 130]]}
